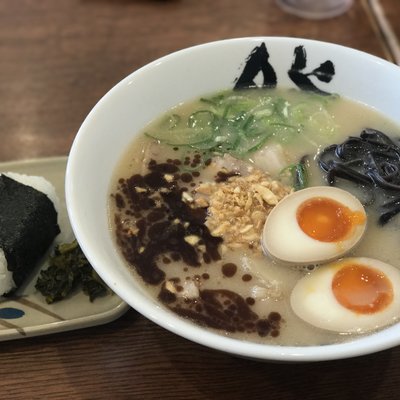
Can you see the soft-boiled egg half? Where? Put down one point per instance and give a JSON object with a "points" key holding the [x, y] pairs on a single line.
{"points": [[352, 295], [314, 225]]}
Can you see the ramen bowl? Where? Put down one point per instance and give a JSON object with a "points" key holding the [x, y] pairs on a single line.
{"points": [[138, 99]]}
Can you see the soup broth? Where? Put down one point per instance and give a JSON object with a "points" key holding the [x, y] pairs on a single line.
{"points": [[186, 244]]}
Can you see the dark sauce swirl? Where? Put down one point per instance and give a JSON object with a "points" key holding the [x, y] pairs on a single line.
{"points": [[153, 221], [163, 221]]}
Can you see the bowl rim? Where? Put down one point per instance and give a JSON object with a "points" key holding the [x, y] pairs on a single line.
{"points": [[184, 328]]}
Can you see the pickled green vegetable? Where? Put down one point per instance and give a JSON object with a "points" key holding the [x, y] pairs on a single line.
{"points": [[69, 270]]}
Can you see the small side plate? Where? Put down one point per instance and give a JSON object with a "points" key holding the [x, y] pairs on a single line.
{"points": [[27, 313]]}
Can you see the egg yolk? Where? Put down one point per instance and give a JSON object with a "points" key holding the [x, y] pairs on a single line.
{"points": [[362, 289], [327, 220]]}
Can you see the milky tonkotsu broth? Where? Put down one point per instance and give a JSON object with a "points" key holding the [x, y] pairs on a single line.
{"points": [[256, 276]]}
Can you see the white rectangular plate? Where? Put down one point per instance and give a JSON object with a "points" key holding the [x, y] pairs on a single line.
{"points": [[27, 313]]}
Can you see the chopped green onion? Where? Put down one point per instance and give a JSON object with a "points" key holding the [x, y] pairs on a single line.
{"points": [[201, 119], [240, 123], [298, 173]]}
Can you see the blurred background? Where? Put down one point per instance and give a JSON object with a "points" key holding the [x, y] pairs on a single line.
{"points": [[57, 58]]}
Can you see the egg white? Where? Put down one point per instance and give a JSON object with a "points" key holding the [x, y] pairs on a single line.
{"points": [[313, 301], [285, 241]]}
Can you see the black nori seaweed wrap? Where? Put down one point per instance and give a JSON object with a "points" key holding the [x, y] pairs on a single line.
{"points": [[28, 226]]}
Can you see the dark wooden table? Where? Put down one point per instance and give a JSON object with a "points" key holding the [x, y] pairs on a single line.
{"points": [[57, 58]]}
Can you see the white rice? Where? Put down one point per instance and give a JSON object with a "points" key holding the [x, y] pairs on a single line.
{"points": [[6, 279], [39, 183]]}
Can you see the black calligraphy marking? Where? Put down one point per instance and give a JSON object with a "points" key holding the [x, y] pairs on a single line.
{"points": [[324, 72], [256, 62]]}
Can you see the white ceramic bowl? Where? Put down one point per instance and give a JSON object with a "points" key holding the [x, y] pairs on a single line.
{"points": [[136, 100]]}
